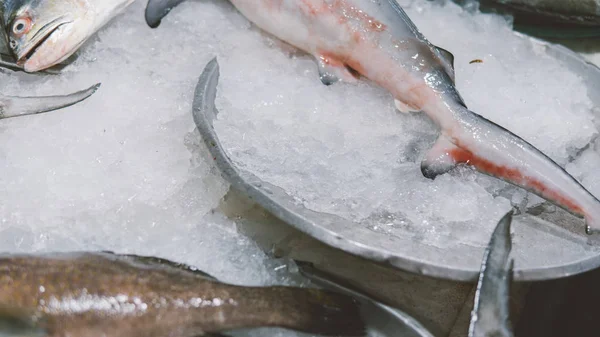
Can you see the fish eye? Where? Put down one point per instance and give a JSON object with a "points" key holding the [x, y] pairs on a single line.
{"points": [[21, 26]]}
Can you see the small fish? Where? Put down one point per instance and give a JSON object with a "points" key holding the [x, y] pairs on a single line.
{"points": [[490, 316], [43, 33], [87, 294], [378, 40], [15, 106]]}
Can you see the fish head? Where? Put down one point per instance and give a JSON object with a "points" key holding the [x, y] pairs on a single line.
{"points": [[43, 33]]}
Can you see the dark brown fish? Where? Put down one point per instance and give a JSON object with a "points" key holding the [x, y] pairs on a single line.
{"points": [[109, 295]]}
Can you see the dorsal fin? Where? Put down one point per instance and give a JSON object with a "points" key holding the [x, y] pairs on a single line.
{"points": [[447, 61]]}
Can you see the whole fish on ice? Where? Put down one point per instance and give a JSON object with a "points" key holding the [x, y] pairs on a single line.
{"points": [[378, 40], [490, 316], [43, 33], [104, 294]]}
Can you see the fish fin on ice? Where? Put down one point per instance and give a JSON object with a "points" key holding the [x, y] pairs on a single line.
{"points": [[156, 10], [440, 158], [403, 107], [493, 288], [16, 323], [332, 70], [14, 106]]}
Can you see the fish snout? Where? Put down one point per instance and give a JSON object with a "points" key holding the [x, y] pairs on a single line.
{"points": [[57, 46]]}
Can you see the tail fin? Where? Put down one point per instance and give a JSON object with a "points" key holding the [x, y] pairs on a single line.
{"points": [[20, 106], [311, 311], [490, 315]]}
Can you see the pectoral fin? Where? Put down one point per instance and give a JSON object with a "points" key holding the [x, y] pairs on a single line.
{"points": [[12, 106], [332, 70], [440, 158]]}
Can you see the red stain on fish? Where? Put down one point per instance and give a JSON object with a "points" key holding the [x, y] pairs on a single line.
{"points": [[464, 156]]}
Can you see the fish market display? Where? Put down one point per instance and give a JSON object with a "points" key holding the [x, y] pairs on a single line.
{"points": [[378, 40], [490, 316], [91, 294], [41, 34]]}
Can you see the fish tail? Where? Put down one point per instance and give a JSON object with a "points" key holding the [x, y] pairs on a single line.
{"points": [[13, 106], [316, 311]]}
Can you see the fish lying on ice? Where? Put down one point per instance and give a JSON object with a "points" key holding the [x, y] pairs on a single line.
{"points": [[14, 106], [490, 316], [378, 40], [104, 294], [43, 33]]}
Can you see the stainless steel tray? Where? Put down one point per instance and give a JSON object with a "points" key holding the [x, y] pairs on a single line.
{"points": [[546, 246]]}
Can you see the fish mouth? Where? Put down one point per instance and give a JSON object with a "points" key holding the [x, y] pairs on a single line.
{"points": [[39, 39]]}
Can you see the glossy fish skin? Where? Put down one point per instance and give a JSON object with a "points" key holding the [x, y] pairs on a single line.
{"points": [[378, 40], [103, 294], [490, 316], [43, 33]]}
